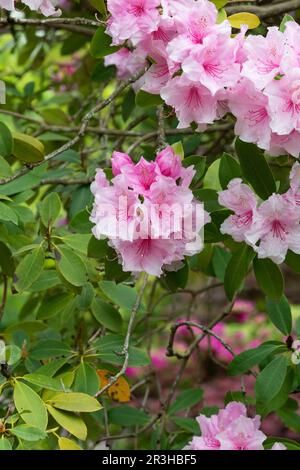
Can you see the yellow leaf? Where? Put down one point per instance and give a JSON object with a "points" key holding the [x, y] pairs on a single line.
{"points": [[119, 391], [67, 444], [238, 19]]}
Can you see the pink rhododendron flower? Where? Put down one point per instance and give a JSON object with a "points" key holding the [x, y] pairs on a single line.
{"points": [[278, 446], [285, 144], [132, 19], [192, 102], [127, 63], [250, 107], [230, 429], [213, 64], [275, 229], [240, 199], [46, 7], [284, 102], [293, 193], [148, 212], [264, 56]]}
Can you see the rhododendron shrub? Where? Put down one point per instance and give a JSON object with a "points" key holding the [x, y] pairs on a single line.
{"points": [[149, 225]]}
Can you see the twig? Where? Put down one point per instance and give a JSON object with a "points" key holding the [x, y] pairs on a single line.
{"points": [[82, 131], [4, 295], [266, 10], [125, 351], [161, 135]]}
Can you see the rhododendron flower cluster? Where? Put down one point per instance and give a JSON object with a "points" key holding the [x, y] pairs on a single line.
{"points": [[46, 7], [148, 212], [271, 228], [230, 429], [203, 71]]}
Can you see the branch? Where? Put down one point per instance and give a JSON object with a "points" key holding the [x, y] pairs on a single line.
{"points": [[4, 295], [161, 134], [205, 329], [125, 351], [82, 130], [267, 10], [76, 25]]}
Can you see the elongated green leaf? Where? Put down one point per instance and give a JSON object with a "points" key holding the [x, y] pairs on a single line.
{"points": [[255, 169], [79, 402], [50, 209], [186, 400], [30, 406], [125, 415], [220, 261], [43, 381], [237, 269], [271, 379], [228, 170], [107, 315], [29, 269], [120, 294], [280, 314], [5, 444], [27, 148], [8, 214], [28, 433], [71, 266], [109, 346], [269, 278], [101, 44], [72, 423], [54, 305], [6, 141], [86, 379], [146, 100], [49, 348], [250, 358]]}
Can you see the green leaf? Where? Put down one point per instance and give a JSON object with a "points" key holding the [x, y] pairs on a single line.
{"points": [[48, 279], [177, 279], [100, 6], [199, 164], [237, 270], [211, 180], [220, 3], [72, 423], [78, 402], [7, 262], [30, 406], [5, 169], [280, 314], [6, 141], [29, 269], [108, 346], [86, 297], [250, 358], [220, 261], [146, 100], [128, 104], [285, 20], [228, 170], [50, 209], [67, 444], [43, 381], [187, 424], [289, 443], [86, 379], [54, 305], [97, 248], [101, 44], [78, 242], [71, 266], [255, 169], [47, 348], [5, 444], [125, 415], [8, 214], [271, 379], [120, 294], [269, 278], [290, 419], [186, 400], [28, 433], [27, 149], [293, 261], [106, 315], [209, 197], [81, 223]]}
